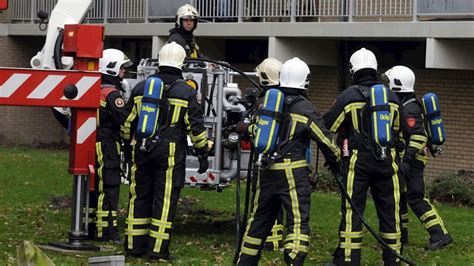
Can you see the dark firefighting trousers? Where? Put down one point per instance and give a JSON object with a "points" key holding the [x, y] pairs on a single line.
{"points": [[104, 200], [361, 172], [283, 184], [421, 206], [156, 181]]}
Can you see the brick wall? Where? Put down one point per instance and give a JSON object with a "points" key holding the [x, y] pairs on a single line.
{"points": [[455, 90], [33, 126]]}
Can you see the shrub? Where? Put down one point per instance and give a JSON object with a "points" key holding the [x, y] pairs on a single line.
{"points": [[454, 188]]}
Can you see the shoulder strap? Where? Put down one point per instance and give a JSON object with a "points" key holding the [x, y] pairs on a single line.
{"points": [[106, 90], [174, 83], [409, 101]]}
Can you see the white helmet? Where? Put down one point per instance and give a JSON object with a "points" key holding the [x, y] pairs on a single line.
{"points": [[361, 59], [295, 74], [189, 12], [172, 55], [268, 72], [111, 62], [400, 78]]}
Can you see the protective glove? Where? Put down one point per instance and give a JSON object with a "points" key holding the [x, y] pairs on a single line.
{"points": [[333, 167], [242, 128], [202, 155], [203, 164]]}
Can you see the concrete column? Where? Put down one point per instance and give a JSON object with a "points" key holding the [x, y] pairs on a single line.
{"points": [[449, 54], [312, 51], [156, 44]]}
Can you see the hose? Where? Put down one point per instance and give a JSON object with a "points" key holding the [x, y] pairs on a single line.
{"points": [[58, 53], [237, 197], [191, 60], [247, 202]]}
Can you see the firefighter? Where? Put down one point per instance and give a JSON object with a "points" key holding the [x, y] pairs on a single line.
{"points": [[268, 73], [158, 172], [187, 19], [414, 158], [282, 180], [363, 163], [110, 114]]}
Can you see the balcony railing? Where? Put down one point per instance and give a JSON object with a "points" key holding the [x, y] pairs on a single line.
{"points": [[145, 11]]}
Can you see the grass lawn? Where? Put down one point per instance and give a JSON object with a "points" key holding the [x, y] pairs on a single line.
{"points": [[204, 230]]}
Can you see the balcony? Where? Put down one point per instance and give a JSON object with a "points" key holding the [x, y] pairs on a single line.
{"points": [[242, 11]]}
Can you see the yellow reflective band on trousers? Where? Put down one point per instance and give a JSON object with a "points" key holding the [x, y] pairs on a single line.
{"points": [[427, 214], [249, 251], [138, 221], [422, 158], [100, 201], [159, 223], [277, 235], [131, 220], [396, 198], [288, 164], [419, 138], [295, 208], [252, 218], [437, 218], [253, 240], [302, 237], [296, 248], [161, 235], [137, 232], [353, 234], [350, 246], [348, 218], [416, 145], [391, 236]]}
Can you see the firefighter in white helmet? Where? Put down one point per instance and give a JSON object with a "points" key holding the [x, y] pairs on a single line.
{"points": [[159, 171], [362, 165], [104, 201], [187, 19], [283, 174], [414, 157]]}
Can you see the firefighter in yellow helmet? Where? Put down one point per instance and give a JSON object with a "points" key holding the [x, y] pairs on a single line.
{"points": [[159, 168], [283, 177], [187, 19]]}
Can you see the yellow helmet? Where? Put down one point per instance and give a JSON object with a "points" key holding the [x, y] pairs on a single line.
{"points": [[268, 72]]}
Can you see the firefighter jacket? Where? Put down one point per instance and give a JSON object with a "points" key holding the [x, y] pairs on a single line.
{"points": [[303, 123], [186, 40], [111, 113], [413, 129], [346, 117], [181, 116]]}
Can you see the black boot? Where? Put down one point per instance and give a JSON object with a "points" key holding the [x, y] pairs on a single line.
{"points": [[167, 258], [439, 243]]}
